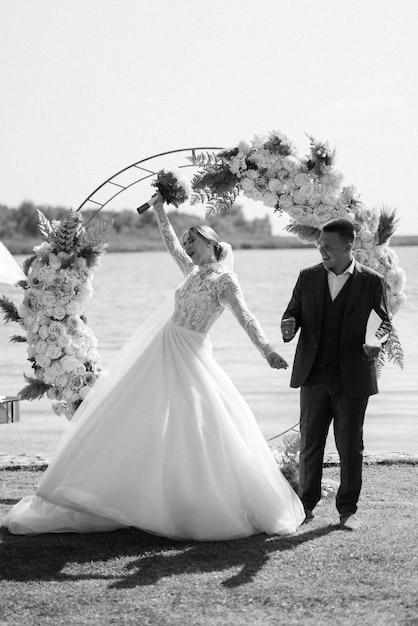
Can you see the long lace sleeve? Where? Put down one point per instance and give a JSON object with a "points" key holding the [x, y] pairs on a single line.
{"points": [[171, 240], [232, 298]]}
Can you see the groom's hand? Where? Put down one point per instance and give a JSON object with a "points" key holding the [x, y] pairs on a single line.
{"points": [[371, 351], [288, 328]]}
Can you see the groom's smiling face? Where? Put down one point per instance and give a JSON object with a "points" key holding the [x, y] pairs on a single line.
{"points": [[335, 252]]}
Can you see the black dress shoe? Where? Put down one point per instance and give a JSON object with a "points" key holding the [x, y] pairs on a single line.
{"points": [[308, 516]]}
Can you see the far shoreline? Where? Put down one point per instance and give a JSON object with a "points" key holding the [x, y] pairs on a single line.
{"points": [[120, 244]]}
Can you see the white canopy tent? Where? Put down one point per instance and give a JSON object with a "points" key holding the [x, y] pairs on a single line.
{"points": [[10, 271]]}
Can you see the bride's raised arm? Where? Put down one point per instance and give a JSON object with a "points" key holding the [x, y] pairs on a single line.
{"points": [[171, 241]]}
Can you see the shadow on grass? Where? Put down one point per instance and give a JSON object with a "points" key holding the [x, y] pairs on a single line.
{"points": [[147, 558]]}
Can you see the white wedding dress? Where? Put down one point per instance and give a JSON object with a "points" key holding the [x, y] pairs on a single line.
{"points": [[164, 442]]}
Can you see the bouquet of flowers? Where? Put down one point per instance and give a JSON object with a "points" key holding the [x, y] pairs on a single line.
{"points": [[174, 188], [309, 189], [60, 346]]}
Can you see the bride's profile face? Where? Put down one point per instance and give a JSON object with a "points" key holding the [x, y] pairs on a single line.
{"points": [[197, 248]]}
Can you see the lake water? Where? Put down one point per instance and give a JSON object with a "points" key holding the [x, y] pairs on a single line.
{"points": [[129, 286]]}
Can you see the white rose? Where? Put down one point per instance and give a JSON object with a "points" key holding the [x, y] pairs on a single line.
{"points": [[56, 329], [40, 346], [74, 307], [59, 312], [366, 238], [67, 393], [31, 337], [90, 378], [76, 381], [54, 262], [396, 279], [54, 351], [244, 147], [48, 376], [298, 213], [69, 363], [42, 360], [361, 256], [64, 341], [329, 199], [58, 408], [81, 351], [298, 198], [43, 332], [270, 199], [253, 174], [323, 214], [84, 391], [290, 163], [275, 185], [62, 380], [42, 248], [285, 202], [48, 299], [307, 189], [300, 179], [73, 324], [247, 184], [57, 368], [55, 393]]}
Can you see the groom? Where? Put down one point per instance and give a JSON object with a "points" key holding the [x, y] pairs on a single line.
{"points": [[335, 370]]}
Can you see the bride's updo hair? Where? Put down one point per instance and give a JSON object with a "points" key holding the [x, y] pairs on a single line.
{"points": [[210, 235]]}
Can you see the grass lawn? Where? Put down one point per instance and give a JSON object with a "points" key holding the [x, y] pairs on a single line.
{"points": [[320, 576]]}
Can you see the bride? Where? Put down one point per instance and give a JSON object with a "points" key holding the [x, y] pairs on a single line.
{"points": [[164, 442]]}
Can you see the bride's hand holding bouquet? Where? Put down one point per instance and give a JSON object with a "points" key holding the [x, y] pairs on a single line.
{"points": [[172, 188]]}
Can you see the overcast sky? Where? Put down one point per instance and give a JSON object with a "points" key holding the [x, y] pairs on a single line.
{"points": [[91, 86]]}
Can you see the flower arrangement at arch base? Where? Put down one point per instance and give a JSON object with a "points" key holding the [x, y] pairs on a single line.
{"points": [[309, 189], [61, 348]]}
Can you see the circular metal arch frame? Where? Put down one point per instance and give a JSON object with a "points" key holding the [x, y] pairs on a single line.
{"points": [[143, 174]]}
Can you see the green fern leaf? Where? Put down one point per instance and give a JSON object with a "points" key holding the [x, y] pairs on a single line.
{"points": [[44, 226]]}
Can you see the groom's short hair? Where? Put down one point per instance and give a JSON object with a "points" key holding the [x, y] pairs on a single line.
{"points": [[344, 228]]}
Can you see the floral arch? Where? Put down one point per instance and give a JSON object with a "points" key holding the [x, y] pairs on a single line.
{"points": [[61, 347]]}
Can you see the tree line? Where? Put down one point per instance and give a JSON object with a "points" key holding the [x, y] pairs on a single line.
{"points": [[19, 227]]}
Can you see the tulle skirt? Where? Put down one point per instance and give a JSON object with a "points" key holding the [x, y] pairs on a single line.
{"points": [[165, 443]]}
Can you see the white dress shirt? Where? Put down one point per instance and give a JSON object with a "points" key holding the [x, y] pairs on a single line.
{"points": [[337, 282]]}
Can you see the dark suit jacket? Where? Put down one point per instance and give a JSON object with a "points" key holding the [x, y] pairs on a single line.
{"points": [[366, 292]]}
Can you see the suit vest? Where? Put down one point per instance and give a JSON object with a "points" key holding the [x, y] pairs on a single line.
{"points": [[328, 354]]}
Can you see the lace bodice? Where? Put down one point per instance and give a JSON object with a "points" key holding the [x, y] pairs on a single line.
{"points": [[207, 291]]}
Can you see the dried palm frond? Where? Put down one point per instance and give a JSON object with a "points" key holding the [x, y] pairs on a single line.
{"points": [[388, 223], [22, 283], [27, 263], [34, 390], [17, 339], [10, 312], [67, 233], [307, 234], [94, 242]]}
